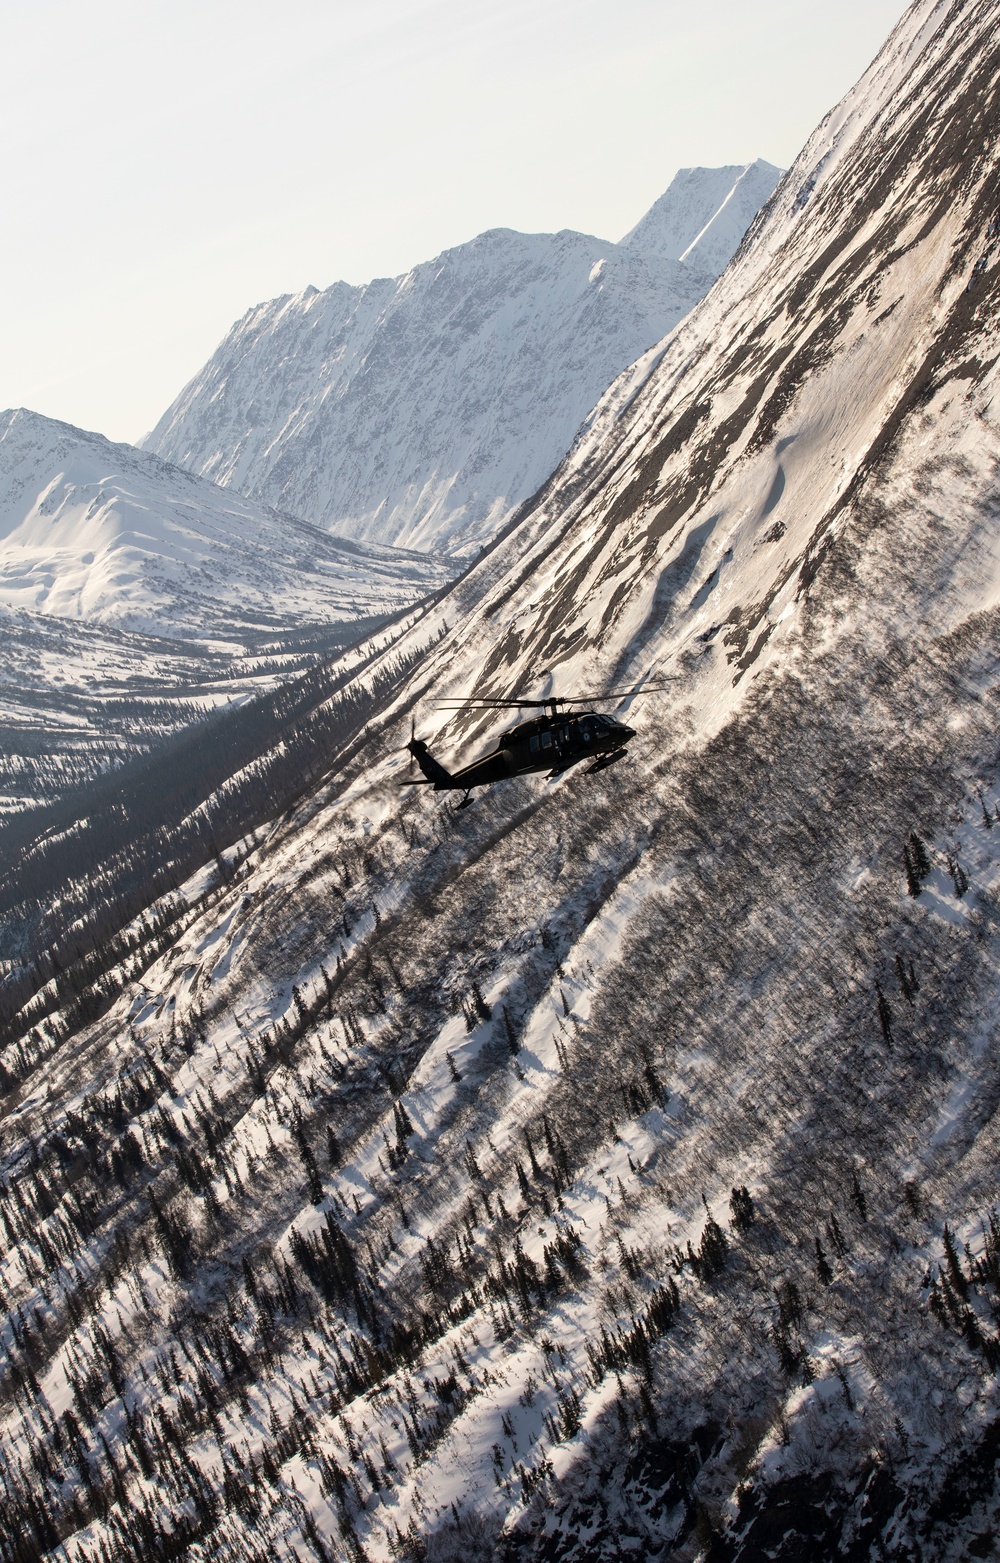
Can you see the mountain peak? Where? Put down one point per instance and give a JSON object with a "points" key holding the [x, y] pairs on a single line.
{"points": [[421, 410], [702, 215]]}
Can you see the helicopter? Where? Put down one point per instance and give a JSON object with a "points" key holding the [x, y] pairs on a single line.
{"points": [[551, 742]]}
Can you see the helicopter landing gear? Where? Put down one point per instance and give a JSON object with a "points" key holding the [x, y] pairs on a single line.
{"points": [[606, 760]]}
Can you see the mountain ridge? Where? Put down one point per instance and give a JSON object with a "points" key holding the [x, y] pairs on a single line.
{"points": [[422, 409], [114, 535]]}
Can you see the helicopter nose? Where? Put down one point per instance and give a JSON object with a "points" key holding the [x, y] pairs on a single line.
{"points": [[625, 733]]}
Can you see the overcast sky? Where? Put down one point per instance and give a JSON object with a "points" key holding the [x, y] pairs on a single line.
{"points": [[168, 163]]}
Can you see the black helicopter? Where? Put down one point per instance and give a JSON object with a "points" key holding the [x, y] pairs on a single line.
{"points": [[551, 742]]}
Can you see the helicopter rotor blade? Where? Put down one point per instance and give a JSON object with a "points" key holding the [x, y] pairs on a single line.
{"points": [[495, 705], [487, 702], [498, 702], [613, 694]]}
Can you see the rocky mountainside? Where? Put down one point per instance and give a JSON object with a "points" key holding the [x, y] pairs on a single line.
{"points": [[609, 1168], [420, 410]]}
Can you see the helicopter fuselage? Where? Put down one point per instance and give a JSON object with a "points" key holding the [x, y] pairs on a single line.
{"points": [[544, 743]]}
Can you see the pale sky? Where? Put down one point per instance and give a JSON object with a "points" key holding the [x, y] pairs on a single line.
{"points": [[168, 163]]}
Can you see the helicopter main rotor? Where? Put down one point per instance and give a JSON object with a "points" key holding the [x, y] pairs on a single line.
{"points": [[551, 703]]}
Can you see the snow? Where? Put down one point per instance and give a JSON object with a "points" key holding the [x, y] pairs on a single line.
{"points": [[108, 535], [702, 217], [718, 912], [420, 410]]}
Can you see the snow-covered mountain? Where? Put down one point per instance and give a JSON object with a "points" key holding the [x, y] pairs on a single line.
{"points": [[420, 410], [113, 536], [702, 216], [136, 598], [608, 1169]]}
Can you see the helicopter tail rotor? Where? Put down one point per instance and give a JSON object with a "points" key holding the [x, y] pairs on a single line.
{"points": [[433, 773]]}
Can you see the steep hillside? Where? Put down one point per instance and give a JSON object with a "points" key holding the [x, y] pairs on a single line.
{"points": [[110, 535], [420, 410], [609, 1168]]}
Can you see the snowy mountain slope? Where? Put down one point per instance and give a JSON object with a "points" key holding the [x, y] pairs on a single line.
{"points": [[420, 410], [607, 1169], [110, 535], [136, 598]]}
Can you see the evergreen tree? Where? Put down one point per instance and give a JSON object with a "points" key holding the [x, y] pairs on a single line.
{"points": [[536, 1170], [713, 1248], [741, 1207], [921, 860], [907, 979], [916, 862], [513, 1042], [404, 1128], [955, 1272], [858, 1195], [959, 877], [482, 1009]]}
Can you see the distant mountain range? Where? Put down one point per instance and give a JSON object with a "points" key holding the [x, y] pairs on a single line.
{"points": [[137, 594], [136, 598], [421, 410], [110, 535]]}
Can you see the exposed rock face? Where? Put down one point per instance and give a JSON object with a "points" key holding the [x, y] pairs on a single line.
{"points": [[608, 1168], [420, 410]]}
